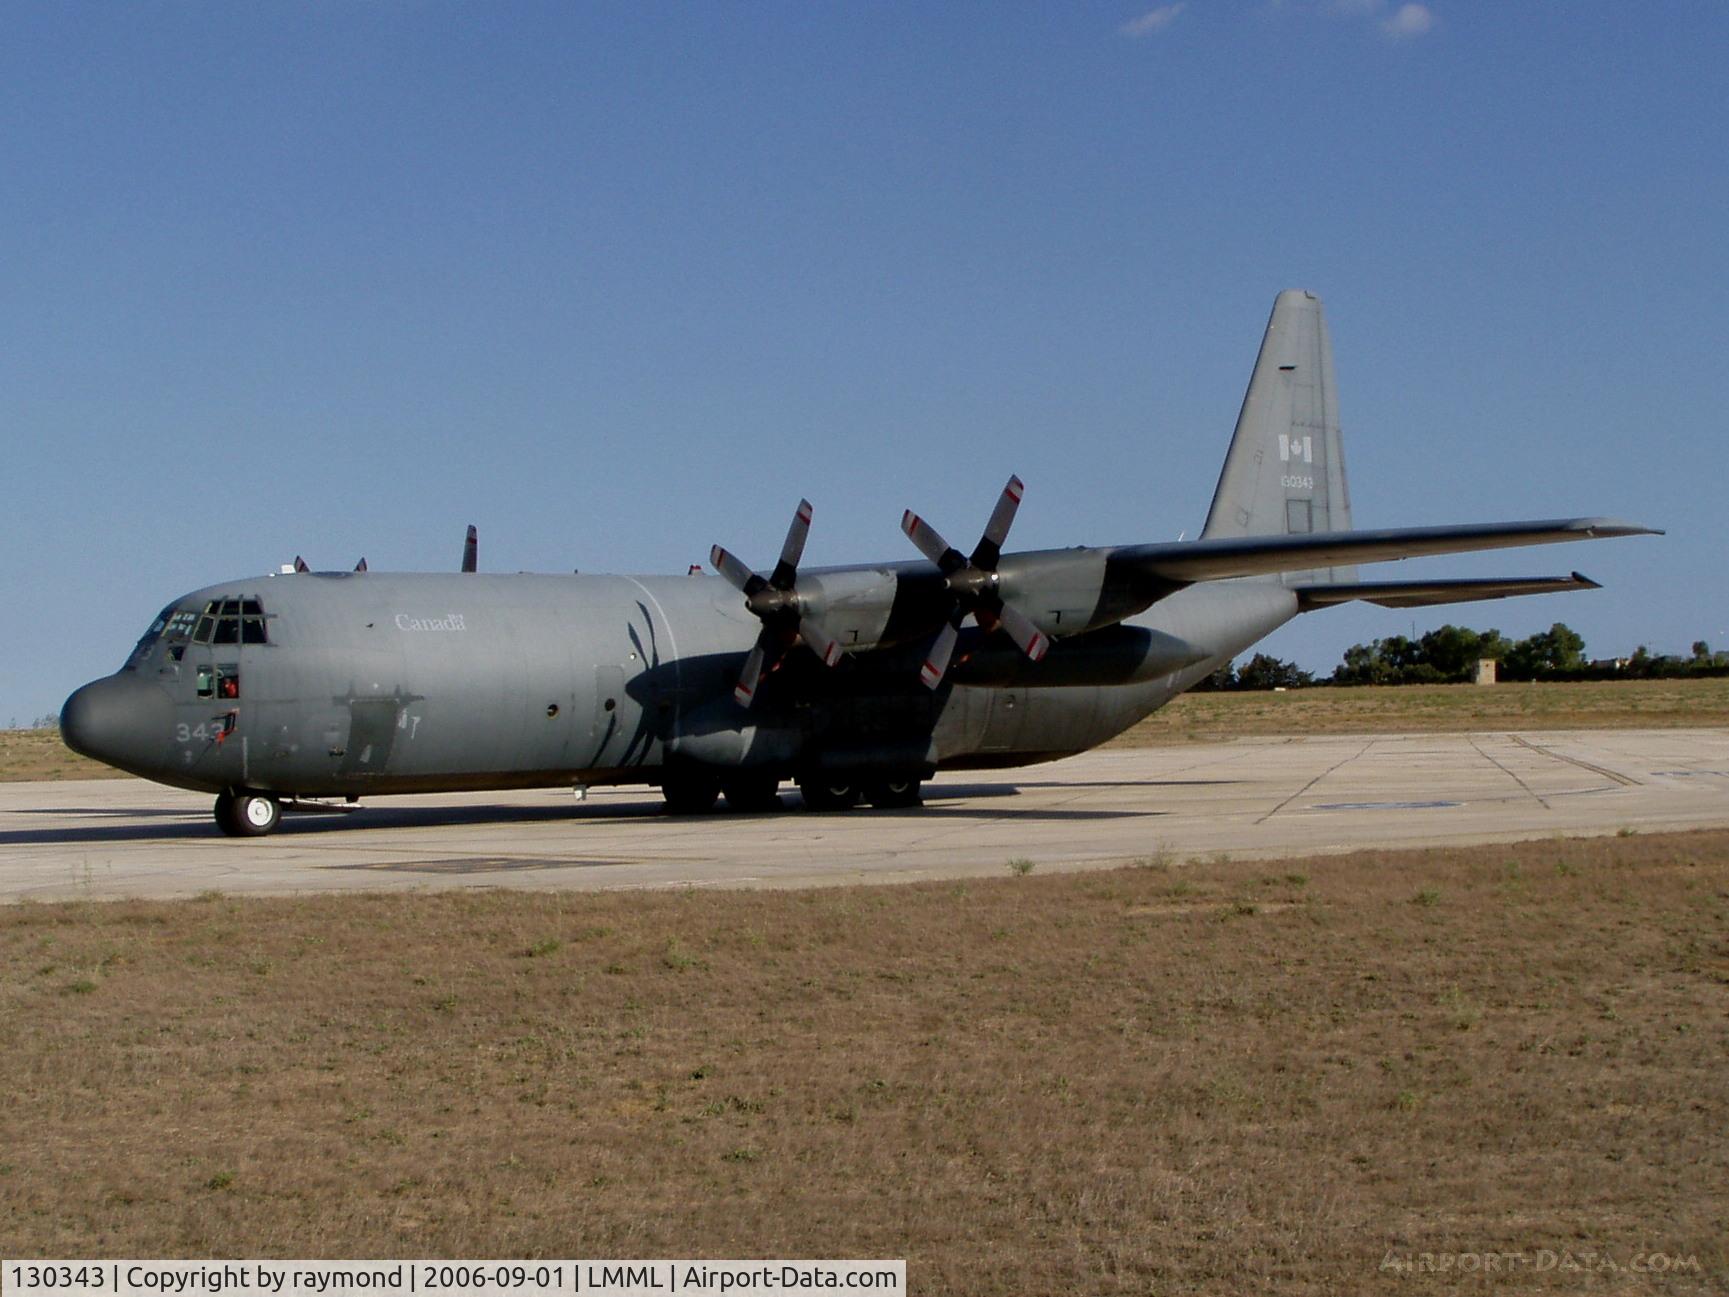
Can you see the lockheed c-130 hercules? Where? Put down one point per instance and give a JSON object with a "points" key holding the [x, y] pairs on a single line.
{"points": [[856, 682]]}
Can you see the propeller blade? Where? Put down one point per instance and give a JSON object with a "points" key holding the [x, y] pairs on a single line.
{"points": [[786, 571], [734, 570], [1031, 640], [937, 660], [745, 691], [300, 564], [471, 550], [990, 547], [931, 544], [819, 641], [361, 566]]}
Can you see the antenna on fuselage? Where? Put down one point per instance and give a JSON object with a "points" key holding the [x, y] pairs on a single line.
{"points": [[471, 550]]}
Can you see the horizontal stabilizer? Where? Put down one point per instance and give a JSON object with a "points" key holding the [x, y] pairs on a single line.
{"points": [[1425, 594], [1224, 557]]}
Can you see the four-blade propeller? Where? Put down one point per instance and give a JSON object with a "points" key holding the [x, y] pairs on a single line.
{"points": [[973, 584], [776, 602]]}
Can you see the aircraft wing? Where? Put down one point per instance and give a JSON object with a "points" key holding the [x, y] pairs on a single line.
{"points": [[1425, 594], [1230, 556]]}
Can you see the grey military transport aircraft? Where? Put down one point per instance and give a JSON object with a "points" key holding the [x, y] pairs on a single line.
{"points": [[856, 682]]}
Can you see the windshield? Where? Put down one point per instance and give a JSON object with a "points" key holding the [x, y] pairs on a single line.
{"points": [[172, 624], [141, 650]]}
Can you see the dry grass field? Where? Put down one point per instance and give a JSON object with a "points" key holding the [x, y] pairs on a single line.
{"points": [[1411, 709], [1621, 704], [1177, 1077], [39, 754]]}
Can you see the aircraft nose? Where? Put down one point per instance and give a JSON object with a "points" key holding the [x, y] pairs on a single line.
{"points": [[120, 720]]}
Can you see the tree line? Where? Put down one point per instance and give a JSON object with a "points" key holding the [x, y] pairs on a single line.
{"points": [[1449, 655]]}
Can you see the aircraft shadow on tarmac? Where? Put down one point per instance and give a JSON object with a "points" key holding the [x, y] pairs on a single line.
{"points": [[947, 802], [1128, 783], [114, 812]]}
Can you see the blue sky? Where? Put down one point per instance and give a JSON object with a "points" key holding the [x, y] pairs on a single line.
{"points": [[616, 282]]}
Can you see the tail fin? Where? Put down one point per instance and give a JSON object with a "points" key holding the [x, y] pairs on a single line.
{"points": [[1285, 473]]}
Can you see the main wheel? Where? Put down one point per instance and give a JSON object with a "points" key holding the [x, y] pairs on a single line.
{"points": [[828, 794], [893, 794], [751, 793], [690, 792], [247, 815]]}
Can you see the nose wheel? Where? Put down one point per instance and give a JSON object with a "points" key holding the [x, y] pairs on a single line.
{"points": [[247, 815]]}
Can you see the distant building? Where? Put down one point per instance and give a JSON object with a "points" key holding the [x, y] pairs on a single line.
{"points": [[1485, 671]]}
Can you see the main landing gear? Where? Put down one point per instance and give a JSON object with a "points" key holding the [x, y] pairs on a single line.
{"points": [[247, 815], [835, 793], [694, 792]]}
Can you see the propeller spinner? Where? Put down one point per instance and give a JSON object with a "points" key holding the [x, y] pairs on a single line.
{"points": [[973, 583], [776, 602]]}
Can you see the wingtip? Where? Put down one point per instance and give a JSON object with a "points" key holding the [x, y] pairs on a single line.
{"points": [[1606, 527], [1586, 582]]}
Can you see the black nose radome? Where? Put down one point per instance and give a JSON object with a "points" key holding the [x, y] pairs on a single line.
{"points": [[120, 720]]}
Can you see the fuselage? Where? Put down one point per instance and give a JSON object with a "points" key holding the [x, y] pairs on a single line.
{"points": [[343, 685]]}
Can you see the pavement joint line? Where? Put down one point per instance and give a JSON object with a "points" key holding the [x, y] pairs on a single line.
{"points": [[1583, 765], [1509, 772], [1343, 761]]}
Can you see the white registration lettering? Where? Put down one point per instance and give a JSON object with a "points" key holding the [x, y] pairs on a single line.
{"points": [[450, 622]]}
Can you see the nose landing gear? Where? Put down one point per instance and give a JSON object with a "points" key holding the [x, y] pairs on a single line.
{"points": [[247, 815]]}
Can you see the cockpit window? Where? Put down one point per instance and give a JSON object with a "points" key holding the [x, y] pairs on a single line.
{"points": [[231, 621], [148, 640]]}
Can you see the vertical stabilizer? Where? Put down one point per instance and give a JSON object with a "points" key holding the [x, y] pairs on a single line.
{"points": [[1285, 473]]}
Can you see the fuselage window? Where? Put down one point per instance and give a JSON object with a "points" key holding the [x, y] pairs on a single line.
{"points": [[221, 681]]}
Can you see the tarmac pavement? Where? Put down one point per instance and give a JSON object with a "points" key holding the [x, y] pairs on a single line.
{"points": [[1255, 797]]}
